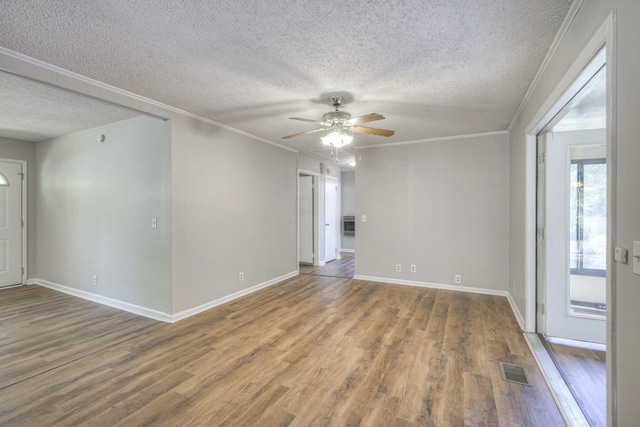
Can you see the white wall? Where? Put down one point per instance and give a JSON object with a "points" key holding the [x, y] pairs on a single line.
{"points": [[348, 204], [441, 205], [627, 285], [25, 150], [234, 210], [94, 204]]}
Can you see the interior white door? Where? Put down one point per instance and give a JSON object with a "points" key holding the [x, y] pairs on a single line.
{"points": [[10, 223], [305, 219], [330, 218], [565, 288]]}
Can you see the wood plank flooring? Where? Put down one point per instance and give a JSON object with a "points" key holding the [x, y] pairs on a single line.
{"points": [[585, 372], [343, 267], [41, 329], [310, 351]]}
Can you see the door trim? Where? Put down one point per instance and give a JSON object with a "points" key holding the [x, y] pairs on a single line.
{"points": [[604, 36], [336, 214], [25, 223], [316, 219]]}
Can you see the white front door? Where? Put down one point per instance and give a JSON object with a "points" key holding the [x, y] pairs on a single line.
{"points": [[10, 223], [305, 219], [330, 218]]}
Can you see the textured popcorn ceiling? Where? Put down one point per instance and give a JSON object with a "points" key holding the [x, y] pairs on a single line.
{"points": [[433, 68], [32, 111]]}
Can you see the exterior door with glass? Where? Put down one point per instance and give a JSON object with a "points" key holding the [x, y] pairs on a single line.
{"points": [[572, 234]]}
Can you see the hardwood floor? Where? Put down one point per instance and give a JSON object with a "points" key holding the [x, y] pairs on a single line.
{"points": [[343, 267], [41, 329], [584, 371], [310, 351]]}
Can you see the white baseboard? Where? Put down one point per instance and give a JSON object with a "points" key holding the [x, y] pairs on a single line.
{"points": [[154, 314], [516, 312], [432, 285], [349, 251], [199, 309], [168, 318], [121, 305]]}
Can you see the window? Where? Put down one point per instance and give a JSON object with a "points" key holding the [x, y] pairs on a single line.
{"points": [[588, 217]]}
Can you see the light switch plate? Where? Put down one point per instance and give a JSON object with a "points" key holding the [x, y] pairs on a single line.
{"points": [[621, 255], [364, 218], [636, 257]]}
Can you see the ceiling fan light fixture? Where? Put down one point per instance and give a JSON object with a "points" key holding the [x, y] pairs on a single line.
{"points": [[341, 126], [337, 139]]}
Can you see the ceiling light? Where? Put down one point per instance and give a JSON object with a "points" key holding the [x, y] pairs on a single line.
{"points": [[337, 138], [352, 163]]}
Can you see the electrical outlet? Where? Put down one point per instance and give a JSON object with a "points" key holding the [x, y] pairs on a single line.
{"points": [[95, 280], [154, 222], [241, 276], [458, 278], [398, 267], [413, 268], [364, 218]]}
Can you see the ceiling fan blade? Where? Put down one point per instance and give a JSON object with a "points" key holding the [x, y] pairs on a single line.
{"points": [[307, 120], [303, 133], [373, 131], [364, 119]]}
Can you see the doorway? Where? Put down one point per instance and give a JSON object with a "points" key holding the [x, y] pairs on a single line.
{"points": [[330, 219], [572, 239], [12, 230], [306, 223], [310, 213]]}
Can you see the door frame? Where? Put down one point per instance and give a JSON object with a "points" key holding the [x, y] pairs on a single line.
{"points": [[567, 87], [555, 318], [316, 216], [336, 214], [25, 223]]}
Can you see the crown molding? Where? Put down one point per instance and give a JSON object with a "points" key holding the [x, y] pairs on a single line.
{"points": [[22, 65], [443, 138], [573, 11]]}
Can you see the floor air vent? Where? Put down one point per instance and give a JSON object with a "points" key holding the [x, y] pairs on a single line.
{"points": [[514, 373]]}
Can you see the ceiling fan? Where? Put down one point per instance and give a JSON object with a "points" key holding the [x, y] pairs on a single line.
{"points": [[340, 126]]}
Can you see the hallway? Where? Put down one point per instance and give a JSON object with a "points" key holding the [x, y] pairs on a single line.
{"points": [[343, 267]]}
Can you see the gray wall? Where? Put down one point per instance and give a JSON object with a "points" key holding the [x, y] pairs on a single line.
{"points": [[347, 204], [312, 163], [25, 150], [234, 210], [94, 204], [441, 205], [591, 15]]}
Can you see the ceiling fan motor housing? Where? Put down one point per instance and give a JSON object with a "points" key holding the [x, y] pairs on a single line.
{"points": [[336, 117]]}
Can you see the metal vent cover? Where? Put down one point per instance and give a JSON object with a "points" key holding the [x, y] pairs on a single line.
{"points": [[514, 374]]}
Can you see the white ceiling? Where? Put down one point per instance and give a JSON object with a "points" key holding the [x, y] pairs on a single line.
{"points": [[434, 69], [32, 111]]}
